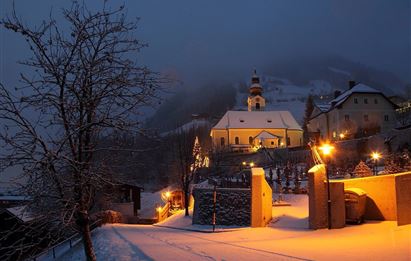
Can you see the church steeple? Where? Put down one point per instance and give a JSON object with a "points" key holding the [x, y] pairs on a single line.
{"points": [[255, 88], [255, 101]]}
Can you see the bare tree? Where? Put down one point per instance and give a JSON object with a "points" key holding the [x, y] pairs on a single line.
{"points": [[86, 83]]}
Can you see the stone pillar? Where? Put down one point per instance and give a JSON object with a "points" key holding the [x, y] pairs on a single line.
{"points": [[317, 192], [337, 205], [261, 199]]}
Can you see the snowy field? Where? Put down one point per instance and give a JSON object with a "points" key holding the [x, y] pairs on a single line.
{"points": [[286, 238]]}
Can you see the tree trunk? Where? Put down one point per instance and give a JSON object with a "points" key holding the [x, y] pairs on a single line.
{"points": [[186, 202], [87, 242]]}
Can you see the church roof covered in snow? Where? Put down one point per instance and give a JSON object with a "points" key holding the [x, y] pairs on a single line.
{"points": [[264, 135], [257, 120]]}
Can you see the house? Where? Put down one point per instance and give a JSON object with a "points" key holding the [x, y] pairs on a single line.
{"points": [[359, 111], [247, 130]]}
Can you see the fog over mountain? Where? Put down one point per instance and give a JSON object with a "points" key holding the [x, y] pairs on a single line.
{"points": [[226, 39]]}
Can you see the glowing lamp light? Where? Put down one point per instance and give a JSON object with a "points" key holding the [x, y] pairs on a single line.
{"points": [[376, 155], [244, 163], [158, 209], [342, 135], [252, 164], [168, 194], [326, 149]]}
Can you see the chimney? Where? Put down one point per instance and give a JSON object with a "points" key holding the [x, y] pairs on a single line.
{"points": [[351, 84], [337, 93]]}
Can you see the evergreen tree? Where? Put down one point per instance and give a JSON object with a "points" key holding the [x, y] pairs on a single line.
{"points": [[309, 107]]}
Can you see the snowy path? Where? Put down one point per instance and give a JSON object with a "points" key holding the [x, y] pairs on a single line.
{"points": [[374, 241], [286, 239]]}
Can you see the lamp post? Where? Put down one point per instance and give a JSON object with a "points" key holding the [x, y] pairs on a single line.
{"points": [[326, 150], [375, 156]]}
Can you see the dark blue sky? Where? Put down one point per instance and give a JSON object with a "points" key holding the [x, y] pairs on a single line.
{"points": [[198, 40]]}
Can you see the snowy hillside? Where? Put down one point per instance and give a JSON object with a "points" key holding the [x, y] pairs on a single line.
{"points": [[193, 124]]}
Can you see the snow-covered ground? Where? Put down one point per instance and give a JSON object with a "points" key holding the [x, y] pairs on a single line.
{"points": [[193, 124], [286, 238], [150, 201]]}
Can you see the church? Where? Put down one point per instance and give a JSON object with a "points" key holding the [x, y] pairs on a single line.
{"points": [[256, 127]]}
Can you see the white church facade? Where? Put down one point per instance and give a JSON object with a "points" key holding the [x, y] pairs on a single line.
{"points": [[256, 127]]}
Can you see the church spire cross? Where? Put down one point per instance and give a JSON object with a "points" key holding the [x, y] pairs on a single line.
{"points": [[255, 78]]}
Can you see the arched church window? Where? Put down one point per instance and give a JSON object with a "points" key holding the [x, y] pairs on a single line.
{"points": [[257, 106], [250, 140], [222, 141], [257, 99], [237, 140]]}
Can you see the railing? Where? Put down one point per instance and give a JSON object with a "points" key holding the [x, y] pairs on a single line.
{"points": [[163, 212], [61, 247]]}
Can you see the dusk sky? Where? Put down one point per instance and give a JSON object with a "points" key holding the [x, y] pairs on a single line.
{"points": [[197, 41]]}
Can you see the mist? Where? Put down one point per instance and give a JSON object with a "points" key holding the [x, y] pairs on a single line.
{"points": [[199, 43]]}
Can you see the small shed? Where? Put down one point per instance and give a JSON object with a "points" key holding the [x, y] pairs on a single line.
{"points": [[127, 194]]}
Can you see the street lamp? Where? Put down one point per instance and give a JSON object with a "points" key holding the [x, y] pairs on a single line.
{"points": [[375, 156], [326, 150]]}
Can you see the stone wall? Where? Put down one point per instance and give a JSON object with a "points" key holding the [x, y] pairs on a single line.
{"points": [[233, 206]]}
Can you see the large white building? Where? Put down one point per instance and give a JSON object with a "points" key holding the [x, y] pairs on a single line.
{"points": [[246, 130], [359, 111]]}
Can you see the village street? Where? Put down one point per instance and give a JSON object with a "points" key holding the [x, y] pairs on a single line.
{"points": [[286, 238]]}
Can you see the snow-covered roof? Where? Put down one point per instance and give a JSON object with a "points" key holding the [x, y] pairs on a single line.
{"points": [[359, 88], [256, 85], [264, 135], [14, 198], [323, 107], [257, 120], [21, 212]]}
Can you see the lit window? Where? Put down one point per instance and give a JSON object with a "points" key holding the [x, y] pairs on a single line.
{"points": [[334, 134], [366, 117], [386, 118]]}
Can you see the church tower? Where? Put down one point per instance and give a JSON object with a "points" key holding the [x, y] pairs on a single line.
{"points": [[255, 100]]}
